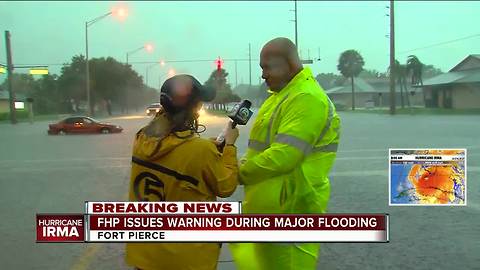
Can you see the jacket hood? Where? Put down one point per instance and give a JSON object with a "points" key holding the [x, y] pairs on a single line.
{"points": [[156, 139]]}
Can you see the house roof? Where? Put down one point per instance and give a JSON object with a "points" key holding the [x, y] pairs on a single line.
{"points": [[472, 61], [467, 71], [464, 76]]}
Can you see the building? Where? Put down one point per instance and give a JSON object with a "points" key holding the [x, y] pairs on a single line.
{"points": [[365, 94], [371, 93], [457, 89], [4, 101]]}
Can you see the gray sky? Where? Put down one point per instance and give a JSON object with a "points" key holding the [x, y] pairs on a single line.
{"points": [[52, 32]]}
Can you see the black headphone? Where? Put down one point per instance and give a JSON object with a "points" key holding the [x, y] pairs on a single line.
{"points": [[199, 93]]}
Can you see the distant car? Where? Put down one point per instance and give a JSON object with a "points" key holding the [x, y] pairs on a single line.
{"points": [[82, 125], [153, 108]]}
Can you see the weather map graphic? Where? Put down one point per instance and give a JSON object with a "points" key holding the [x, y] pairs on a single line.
{"points": [[427, 177]]}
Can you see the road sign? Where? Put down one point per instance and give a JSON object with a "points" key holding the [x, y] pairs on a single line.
{"points": [[39, 71]]}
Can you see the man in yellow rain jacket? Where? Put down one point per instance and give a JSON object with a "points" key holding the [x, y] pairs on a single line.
{"points": [[171, 162], [291, 150]]}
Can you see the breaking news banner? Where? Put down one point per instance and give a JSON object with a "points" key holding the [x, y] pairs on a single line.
{"points": [[204, 222], [163, 207]]}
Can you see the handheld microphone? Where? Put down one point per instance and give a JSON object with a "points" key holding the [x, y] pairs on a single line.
{"points": [[240, 114]]}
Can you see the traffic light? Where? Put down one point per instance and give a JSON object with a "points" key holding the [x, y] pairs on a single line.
{"points": [[219, 63]]}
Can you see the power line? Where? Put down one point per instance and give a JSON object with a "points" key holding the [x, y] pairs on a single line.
{"points": [[440, 43], [154, 62], [194, 60]]}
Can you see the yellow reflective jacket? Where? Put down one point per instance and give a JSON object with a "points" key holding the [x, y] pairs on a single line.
{"points": [[178, 169], [291, 150]]}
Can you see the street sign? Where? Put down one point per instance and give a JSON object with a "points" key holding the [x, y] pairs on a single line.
{"points": [[39, 71], [310, 61], [3, 70]]}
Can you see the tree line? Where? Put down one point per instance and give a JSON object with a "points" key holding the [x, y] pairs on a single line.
{"points": [[111, 82]]}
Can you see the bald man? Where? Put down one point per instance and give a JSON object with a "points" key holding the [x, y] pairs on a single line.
{"points": [[291, 149]]}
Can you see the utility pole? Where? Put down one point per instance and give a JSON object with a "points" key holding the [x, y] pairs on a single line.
{"points": [[236, 74], [90, 110], [218, 62], [87, 73], [296, 33], [126, 94], [11, 93], [250, 64], [392, 59]]}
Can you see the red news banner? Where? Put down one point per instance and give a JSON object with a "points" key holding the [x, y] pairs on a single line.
{"points": [[204, 222]]}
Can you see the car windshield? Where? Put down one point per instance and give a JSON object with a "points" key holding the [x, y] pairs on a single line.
{"points": [[72, 120], [91, 120]]}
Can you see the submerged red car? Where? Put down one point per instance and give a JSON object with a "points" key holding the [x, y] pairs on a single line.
{"points": [[82, 125]]}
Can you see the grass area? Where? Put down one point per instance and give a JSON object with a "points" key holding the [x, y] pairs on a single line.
{"points": [[418, 111]]}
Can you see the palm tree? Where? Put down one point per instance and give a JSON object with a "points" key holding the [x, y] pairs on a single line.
{"points": [[350, 64], [400, 72], [415, 67]]}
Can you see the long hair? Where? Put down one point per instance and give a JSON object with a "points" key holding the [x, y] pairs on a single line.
{"points": [[183, 120]]}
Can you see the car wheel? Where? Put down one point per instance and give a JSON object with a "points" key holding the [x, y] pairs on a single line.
{"points": [[62, 132], [105, 130]]}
